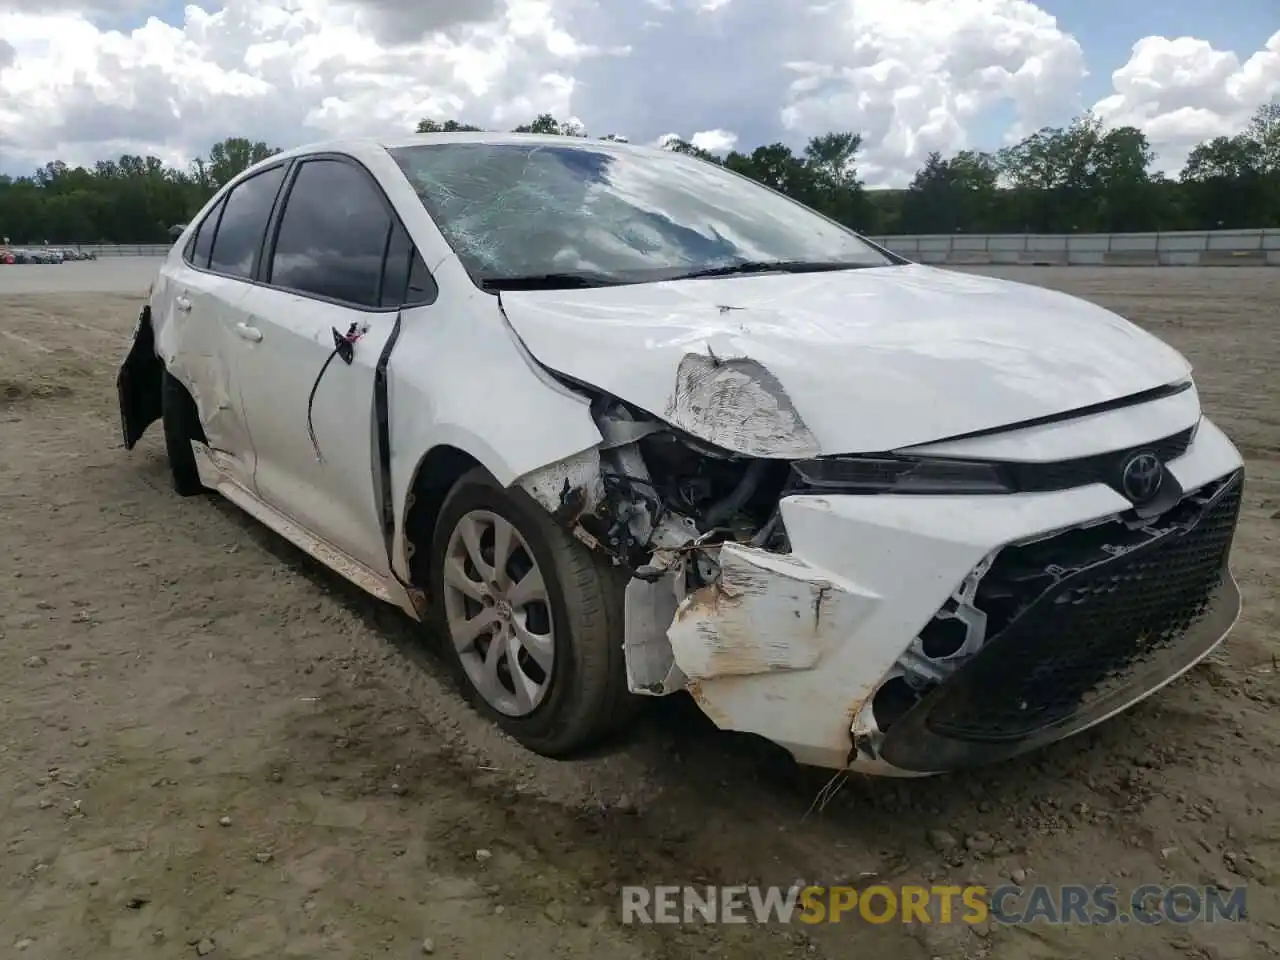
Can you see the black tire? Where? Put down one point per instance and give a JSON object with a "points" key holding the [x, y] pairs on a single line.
{"points": [[588, 697], [181, 425]]}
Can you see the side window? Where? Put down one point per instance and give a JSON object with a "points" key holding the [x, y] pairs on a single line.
{"points": [[422, 286], [395, 269], [201, 243], [245, 213], [333, 235], [405, 280]]}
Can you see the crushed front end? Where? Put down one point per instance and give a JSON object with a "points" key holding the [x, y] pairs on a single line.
{"points": [[1078, 626], [907, 615]]}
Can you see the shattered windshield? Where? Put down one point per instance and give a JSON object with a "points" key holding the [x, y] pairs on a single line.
{"points": [[593, 212]]}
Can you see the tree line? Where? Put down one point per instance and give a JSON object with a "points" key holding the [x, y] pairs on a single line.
{"points": [[1080, 178]]}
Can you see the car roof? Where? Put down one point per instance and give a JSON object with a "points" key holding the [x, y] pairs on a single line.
{"points": [[361, 145]]}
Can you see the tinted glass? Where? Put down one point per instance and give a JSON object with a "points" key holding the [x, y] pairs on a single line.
{"points": [[333, 234], [526, 209], [244, 220], [395, 270], [422, 286], [405, 279], [198, 249]]}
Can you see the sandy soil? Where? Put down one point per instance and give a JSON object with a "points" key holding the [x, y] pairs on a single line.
{"points": [[207, 743]]}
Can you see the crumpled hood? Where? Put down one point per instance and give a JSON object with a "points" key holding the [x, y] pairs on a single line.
{"points": [[855, 361]]}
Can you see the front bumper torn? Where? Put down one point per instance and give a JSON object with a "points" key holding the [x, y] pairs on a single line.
{"points": [[794, 647]]}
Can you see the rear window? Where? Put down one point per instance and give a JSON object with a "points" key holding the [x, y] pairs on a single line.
{"points": [[200, 245], [245, 213]]}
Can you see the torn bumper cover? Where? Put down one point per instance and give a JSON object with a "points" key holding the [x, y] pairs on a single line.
{"points": [[827, 650]]}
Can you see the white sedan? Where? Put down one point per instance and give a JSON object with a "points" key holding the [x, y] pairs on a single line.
{"points": [[624, 423]]}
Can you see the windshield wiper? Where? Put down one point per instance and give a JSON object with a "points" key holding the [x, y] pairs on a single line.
{"points": [[550, 281], [770, 266]]}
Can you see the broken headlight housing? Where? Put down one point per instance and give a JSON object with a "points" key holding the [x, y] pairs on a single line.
{"points": [[889, 474]]}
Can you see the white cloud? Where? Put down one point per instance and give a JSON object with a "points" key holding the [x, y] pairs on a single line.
{"points": [[910, 75], [714, 141], [1183, 91], [305, 70], [914, 75]]}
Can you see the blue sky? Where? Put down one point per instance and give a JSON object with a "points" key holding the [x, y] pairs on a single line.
{"points": [[1108, 29]]}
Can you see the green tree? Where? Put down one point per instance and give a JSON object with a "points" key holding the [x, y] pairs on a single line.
{"points": [[833, 185], [1234, 182], [233, 156], [427, 125], [1264, 132], [131, 199], [546, 123], [959, 195], [1082, 177]]}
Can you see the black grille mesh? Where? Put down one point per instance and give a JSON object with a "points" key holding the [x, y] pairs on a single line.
{"points": [[1082, 638]]}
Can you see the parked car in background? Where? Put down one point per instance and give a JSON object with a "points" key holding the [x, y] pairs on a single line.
{"points": [[48, 254], [7, 257], [624, 423]]}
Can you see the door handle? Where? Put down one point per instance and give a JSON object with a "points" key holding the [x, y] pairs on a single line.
{"points": [[183, 304], [248, 332]]}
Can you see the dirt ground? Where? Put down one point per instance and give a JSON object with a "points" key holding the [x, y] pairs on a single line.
{"points": [[211, 746]]}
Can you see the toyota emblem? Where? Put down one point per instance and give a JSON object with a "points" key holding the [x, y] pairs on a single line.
{"points": [[1140, 479]]}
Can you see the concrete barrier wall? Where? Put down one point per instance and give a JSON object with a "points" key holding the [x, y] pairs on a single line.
{"points": [[1131, 258], [1233, 258], [1220, 248]]}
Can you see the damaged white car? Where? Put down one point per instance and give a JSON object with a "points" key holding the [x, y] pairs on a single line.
{"points": [[625, 424]]}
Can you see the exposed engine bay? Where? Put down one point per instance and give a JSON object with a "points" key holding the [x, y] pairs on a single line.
{"points": [[661, 504], [663, 497]]}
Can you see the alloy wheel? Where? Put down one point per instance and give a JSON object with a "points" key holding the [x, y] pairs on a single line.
{"points": [[498, 613]]}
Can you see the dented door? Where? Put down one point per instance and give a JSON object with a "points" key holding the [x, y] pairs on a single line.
{"points": [[195, 315], [317, 448]]}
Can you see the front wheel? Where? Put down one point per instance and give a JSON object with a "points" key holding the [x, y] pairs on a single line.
{"points": [[532, 619]]}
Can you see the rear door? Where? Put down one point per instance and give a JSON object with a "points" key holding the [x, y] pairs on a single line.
{"points": [[200, 331], [338, 261]]}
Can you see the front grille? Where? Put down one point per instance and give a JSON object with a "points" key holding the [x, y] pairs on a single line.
{"points": [[1099, 468], [1110, 606]]}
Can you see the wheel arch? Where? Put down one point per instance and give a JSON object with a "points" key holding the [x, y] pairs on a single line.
{"points": [[434, 475]]}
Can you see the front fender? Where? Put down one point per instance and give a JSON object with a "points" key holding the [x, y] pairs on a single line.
{"points": [[139, 382]]}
